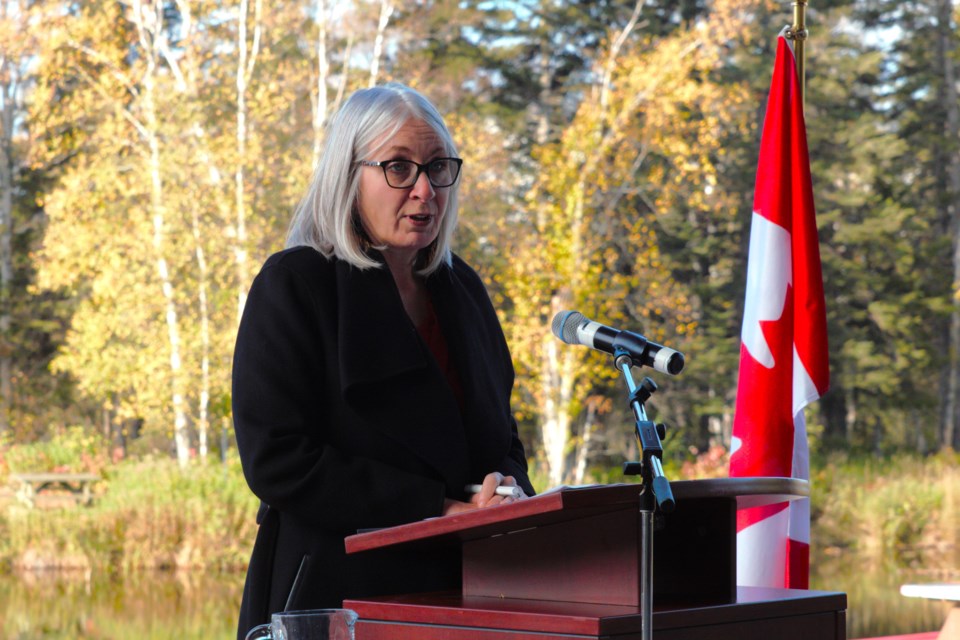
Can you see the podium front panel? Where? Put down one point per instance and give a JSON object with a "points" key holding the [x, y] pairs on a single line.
{"points": [[582, 544], [596, 559], [757, 614]]}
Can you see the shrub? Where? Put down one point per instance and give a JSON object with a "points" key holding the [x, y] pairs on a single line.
{"points": [[149, 514], [71, 449], [888, 507]]}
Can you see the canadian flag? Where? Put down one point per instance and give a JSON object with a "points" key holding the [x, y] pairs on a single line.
{"points": [[783, 352]]}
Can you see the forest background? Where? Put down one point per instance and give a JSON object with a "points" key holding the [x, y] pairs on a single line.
{"points": [[151, 154]]}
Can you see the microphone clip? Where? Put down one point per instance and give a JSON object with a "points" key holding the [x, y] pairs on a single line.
{"points": [[649, 436], [643, 392]]}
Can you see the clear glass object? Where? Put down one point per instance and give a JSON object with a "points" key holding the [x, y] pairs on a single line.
{"points": [[314, 624]]}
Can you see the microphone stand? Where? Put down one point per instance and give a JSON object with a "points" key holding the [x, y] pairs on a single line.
{"points": [[656, 492]]}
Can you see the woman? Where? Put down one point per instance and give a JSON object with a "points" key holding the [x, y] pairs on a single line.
{"points": [[371, 379]]}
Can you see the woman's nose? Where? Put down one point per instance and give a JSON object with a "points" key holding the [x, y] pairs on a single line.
{"points": [[422, 188]]}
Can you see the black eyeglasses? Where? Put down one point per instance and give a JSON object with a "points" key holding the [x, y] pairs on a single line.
{"points": [[403, 174]]}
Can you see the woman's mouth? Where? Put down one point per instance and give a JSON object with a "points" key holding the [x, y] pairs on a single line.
{"points": [[420, 218]]}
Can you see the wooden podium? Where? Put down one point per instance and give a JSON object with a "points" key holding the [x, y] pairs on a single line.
{"points": [[566, 564]]}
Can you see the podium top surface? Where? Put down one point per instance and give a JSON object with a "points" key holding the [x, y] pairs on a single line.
{"points": [[565, 503]]}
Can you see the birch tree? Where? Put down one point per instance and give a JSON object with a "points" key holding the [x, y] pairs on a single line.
{"points": [[247, 52], [148, 20], [386, 10], [645, 130], [15, 53], [120, 181], [322, 106]]}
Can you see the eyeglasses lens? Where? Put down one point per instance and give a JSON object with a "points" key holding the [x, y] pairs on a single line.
{"points": [[441, 172]]}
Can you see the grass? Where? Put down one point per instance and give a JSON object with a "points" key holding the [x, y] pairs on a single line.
{"points": [[148, 513], [904, 508]]}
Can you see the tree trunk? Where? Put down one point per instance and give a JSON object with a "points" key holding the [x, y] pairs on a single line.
{"points": [[386, 10], [557, 385], [558, 373], [148, 37], [7, 178], [203, 418], [541, 108], [345, 71], [850, 416], [321, 105], [323, 71], [246, 60], [946, 50], [586, 439], [180, 433]]}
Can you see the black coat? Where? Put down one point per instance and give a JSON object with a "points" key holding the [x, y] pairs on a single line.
{"points": [[344, 421]]}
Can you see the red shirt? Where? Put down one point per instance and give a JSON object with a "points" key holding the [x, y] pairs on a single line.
{"points": [[431, 333]]}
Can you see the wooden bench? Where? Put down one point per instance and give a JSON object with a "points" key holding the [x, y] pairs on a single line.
{"points": [[29, 486], [946, 591]]}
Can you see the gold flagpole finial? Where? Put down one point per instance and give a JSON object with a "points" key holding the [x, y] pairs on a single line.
{"points": [[798, 33]]}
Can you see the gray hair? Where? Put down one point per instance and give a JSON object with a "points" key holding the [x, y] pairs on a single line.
{"points": [[326, 217]]}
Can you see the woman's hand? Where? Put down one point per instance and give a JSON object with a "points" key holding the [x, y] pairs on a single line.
{"points": [[451, 507], [486, 497]]}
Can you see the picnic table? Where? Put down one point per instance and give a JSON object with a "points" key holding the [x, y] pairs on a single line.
{"points": [[946, 591], [79, 486]]}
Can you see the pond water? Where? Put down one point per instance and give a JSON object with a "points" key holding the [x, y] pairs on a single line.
{"points": [[874, 604], [148, 606], [187, 606]]}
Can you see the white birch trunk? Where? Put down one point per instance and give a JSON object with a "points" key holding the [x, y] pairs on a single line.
{"points": [[345, 74], [246, 60], [148, 32], [558, 374], [203, 304], [386, 10], [586, 440], [541, 110], [186, 83], [8, 170], [323, 72], [557, 384], [13, 59], [203, 417]]}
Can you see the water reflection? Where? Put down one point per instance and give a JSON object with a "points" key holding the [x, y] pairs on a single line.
{"points": [[874, 604], [148, 606], [188, 606]]}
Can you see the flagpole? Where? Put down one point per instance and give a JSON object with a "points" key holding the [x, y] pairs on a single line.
{"points": [[798, 33]]}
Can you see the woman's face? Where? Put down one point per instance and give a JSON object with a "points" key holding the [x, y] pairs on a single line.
{"points": [[403, 220]]}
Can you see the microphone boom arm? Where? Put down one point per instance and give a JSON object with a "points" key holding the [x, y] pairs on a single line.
{"points": [[649, 436]]}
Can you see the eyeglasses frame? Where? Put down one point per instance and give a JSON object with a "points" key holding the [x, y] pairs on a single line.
{"points": [[421, 168]]}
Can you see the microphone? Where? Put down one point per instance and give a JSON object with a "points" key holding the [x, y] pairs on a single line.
{"points": [[573, 328]]}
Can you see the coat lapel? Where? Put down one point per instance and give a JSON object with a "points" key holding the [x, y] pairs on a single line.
{"points": [[387, 374], [486, 411], [377, 340]]}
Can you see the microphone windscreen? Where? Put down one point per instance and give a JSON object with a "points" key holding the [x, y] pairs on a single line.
{"points": [[565, 325]]}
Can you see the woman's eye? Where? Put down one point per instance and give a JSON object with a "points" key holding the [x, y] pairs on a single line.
{"points": [[399, 168]]}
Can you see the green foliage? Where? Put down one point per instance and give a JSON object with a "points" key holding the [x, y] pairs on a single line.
{"points": [[74, 449], [903, 507], [147, 514], [604, 174], [885, 293]]}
